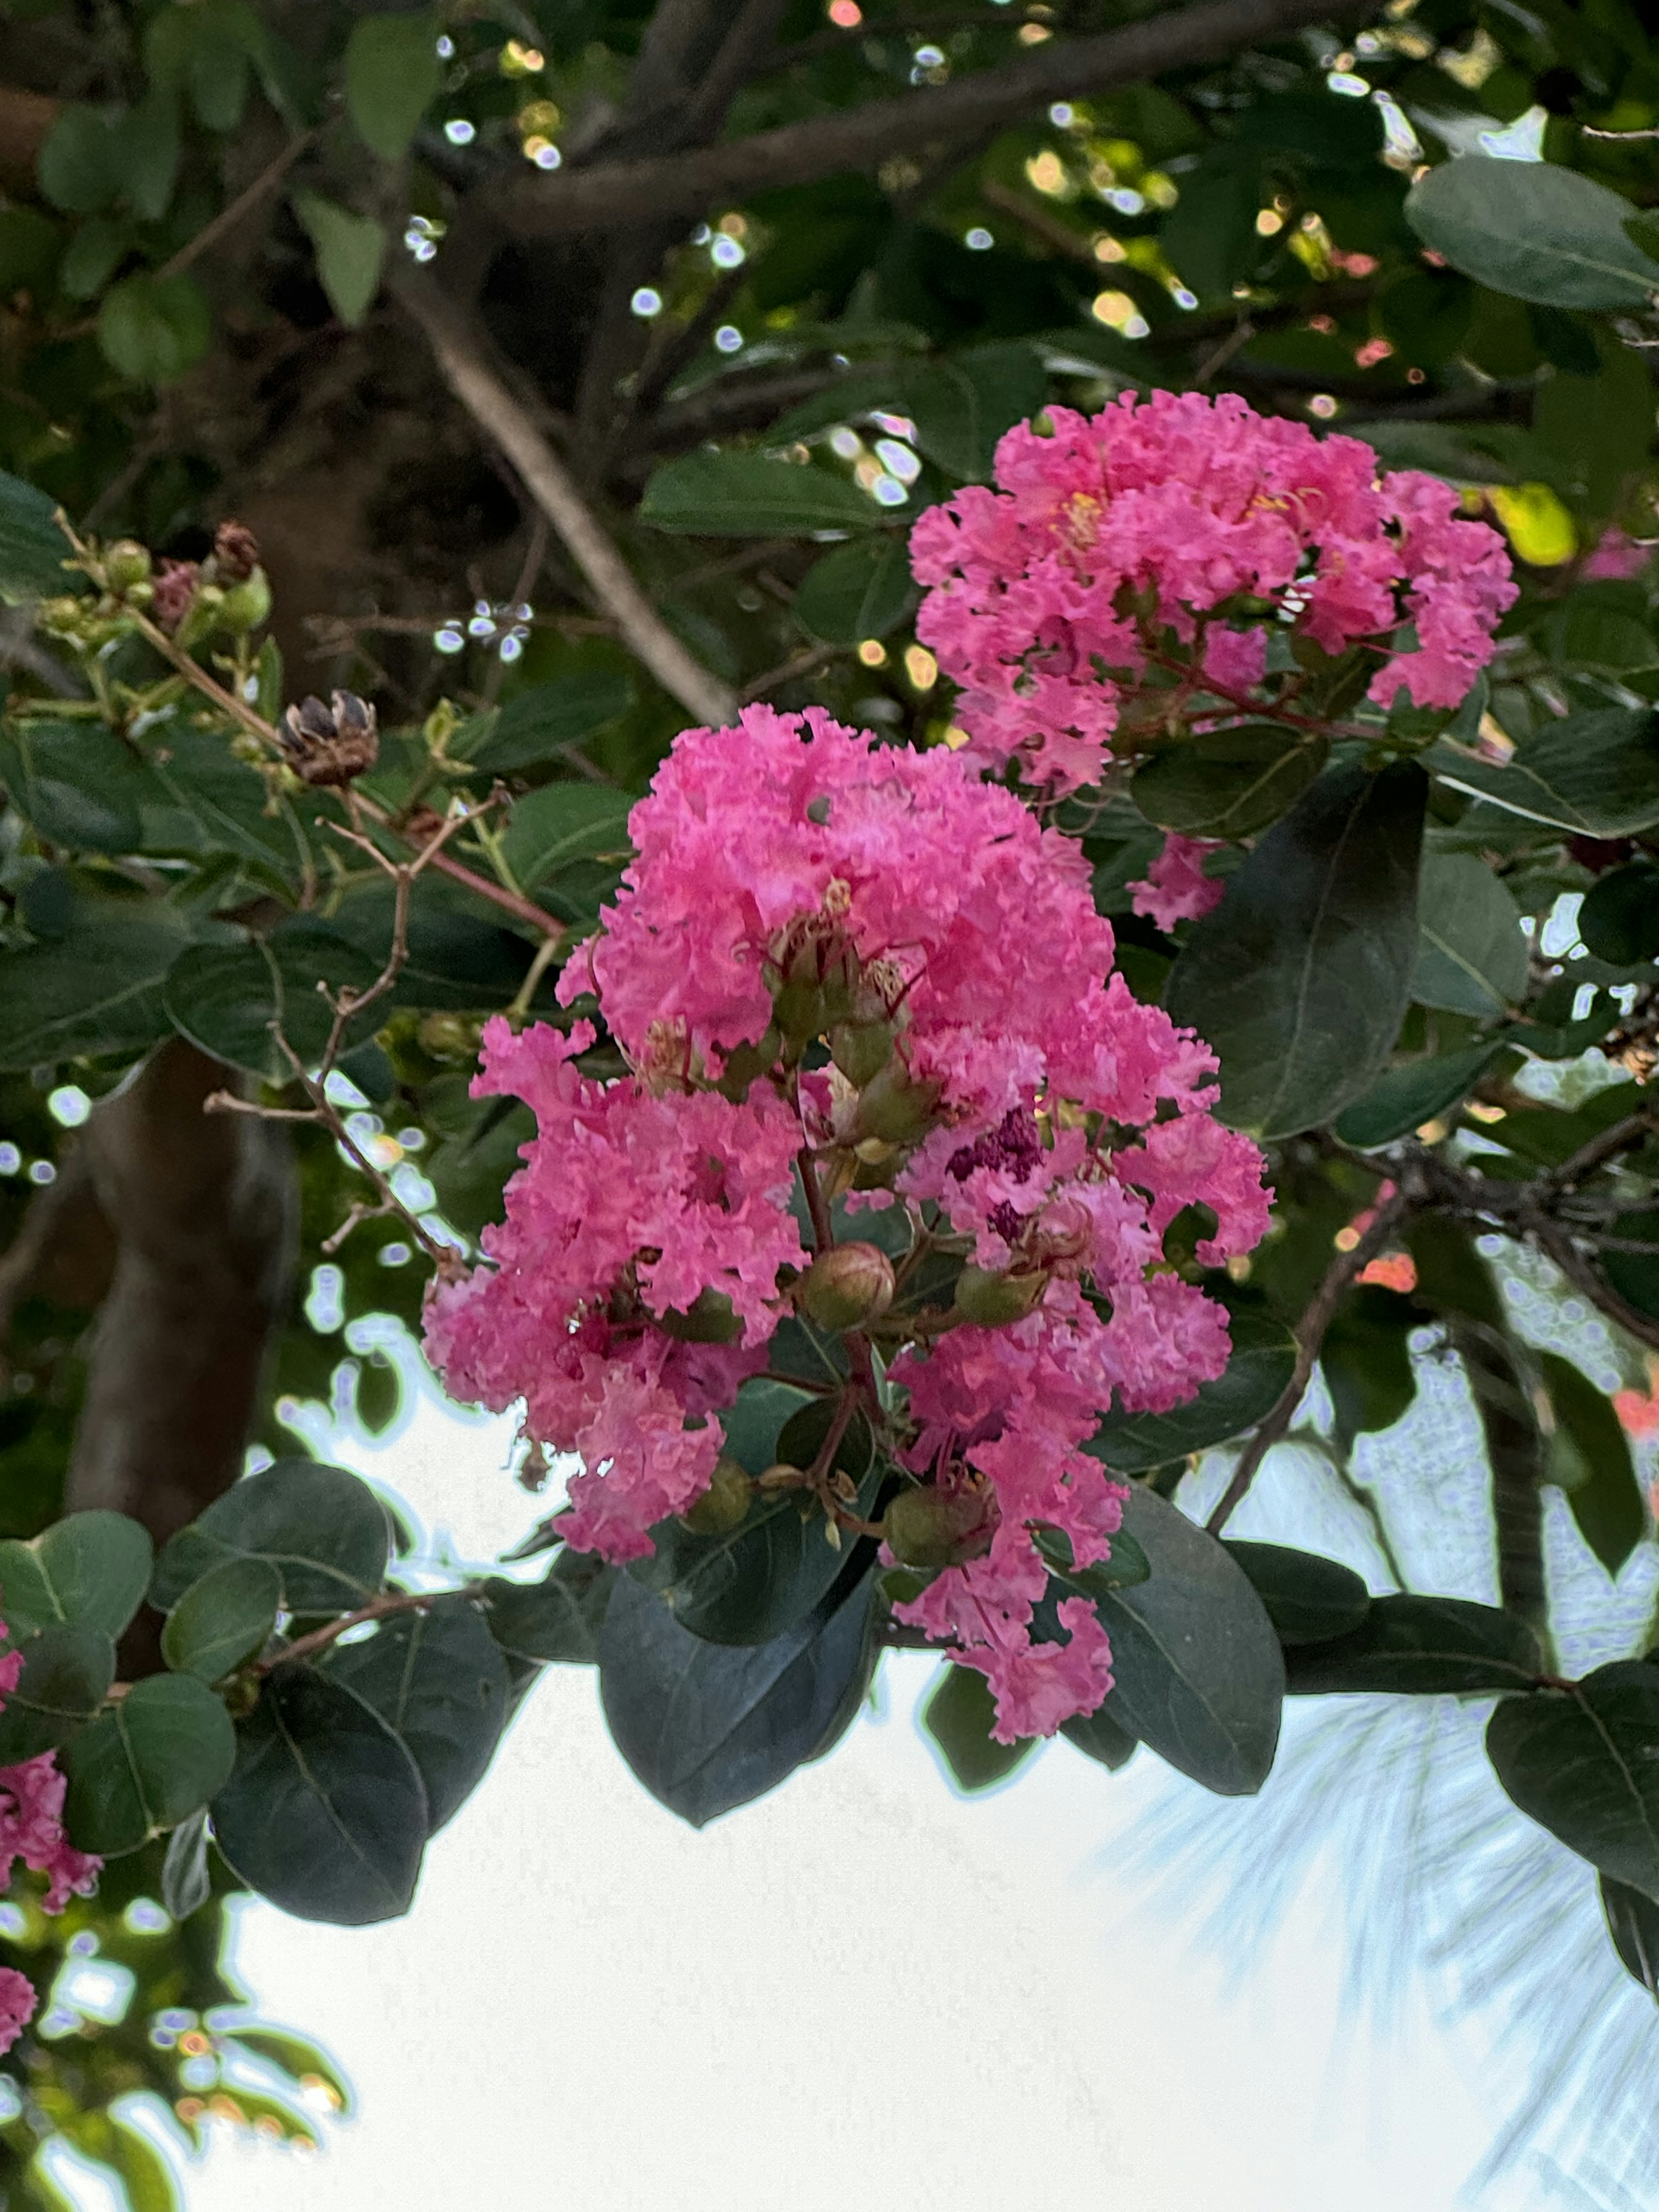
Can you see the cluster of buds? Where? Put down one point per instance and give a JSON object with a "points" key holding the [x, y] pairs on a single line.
{"points": [[329, 745], [190, 600]]}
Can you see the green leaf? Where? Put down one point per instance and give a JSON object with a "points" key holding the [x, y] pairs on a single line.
{"points": [[438, 1679], [152, 147], [1404, 1097], [706, 1727], [1309, 1599], [30, 243], [350, 249], [557, 1620], [392, 73], [1126, 1564], [152, 329], [1199, 1676], [1366, 1363], [89, 1567], [538, 725], [763, 1576], [324, 1531], [1258, 1369], [296, 2056], [1473, 956], [1585, 1764], [1300, 978], [93, 254], [1635, 1275], [562, 823], [747, 495], [857, 590], [1590, 1459], [958, 1713], [1422, 1647], [145, 1764], [146, 2176], [223, 1619], [186, 1885], [962, 406], [66, 1671], [225, 997], [1618, 922], [1596, 773], [79, 166], [33, 548], [99, 989], [1633, 1924], [1533, 230], [325, 1814], [1099, 1737], [1227, 783], [200, 798]]}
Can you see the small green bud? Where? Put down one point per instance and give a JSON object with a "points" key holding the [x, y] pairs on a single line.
{"points": [[745, 1063], [862, 1049], [126, 563], [710, 1320], [724, 1504], [448, 1036], [924, 1528], [993, 1300], [847, 1286], [246, 604], [893, 1108]]}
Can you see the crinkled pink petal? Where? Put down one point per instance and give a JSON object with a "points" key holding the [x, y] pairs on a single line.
{"points": [[1176, 888], [16, 2005]]}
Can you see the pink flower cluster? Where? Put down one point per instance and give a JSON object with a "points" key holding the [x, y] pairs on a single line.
{"points": [[1176, 888], [1042, 1113], [1164, 531], [31, 1830]]}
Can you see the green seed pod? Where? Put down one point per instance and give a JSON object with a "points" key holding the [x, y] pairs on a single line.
{"points": [[893, 1108], [862, 1049], [710, 1320], [246, 604], [126, 563], [926, 1529], [994, 1300], [448, 1036], [847, 1286], [724, 1505]]}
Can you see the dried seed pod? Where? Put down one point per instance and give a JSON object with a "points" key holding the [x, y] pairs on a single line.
{"points": [[331, 744]]}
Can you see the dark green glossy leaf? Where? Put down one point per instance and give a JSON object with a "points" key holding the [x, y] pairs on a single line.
{"points": [[1422, 1647], [1298, 979], [555, 1620], [1533, 230], [1309, 1599], [186, 1883], [198, 799], [1619, 920], [325, 1814], [89, 1567], [1126, 1566], [152, 329], [98, 990], [1366, 1363], [1227, 783], [1596, 773], [1259, 1367], [1199, 1676], [148, 1763], [962, 406], [746, 495], [1633, 1924], [350, 249], [1100, 1738], [857, 590], [1585, 1764], [226, 998], [957, 1714], [1635, 1275], [66, 1671], [1473, 958], [538, 724], [33, 548], [565, 822], [1402, 1098], [706, 1727], [324, 1531], [223, 1619], [1590, 1459], [392, 72], [76, 781], [438, 1679]]}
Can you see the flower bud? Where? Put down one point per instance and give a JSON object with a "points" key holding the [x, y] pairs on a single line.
{"points": [[847, 1286], [246, 603], [448, 1036], [893, 1108], [925, 1529], [126, 563], [724, 1504], [993, 1300], [709, 1320], [862, 1049]]}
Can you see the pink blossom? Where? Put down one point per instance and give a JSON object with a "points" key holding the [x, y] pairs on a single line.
{"points": [[1616, 557], [31, 1819], [16, 2005], [1176, 888], [1112, 541]]}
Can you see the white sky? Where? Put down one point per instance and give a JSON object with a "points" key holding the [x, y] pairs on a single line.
{"points": [[863, 1990]]}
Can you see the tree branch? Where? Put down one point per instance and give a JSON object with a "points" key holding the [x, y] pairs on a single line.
{"points": [[611, 195], [492, 407]]}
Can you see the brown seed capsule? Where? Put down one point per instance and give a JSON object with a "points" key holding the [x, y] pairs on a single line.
{"points": [[847, 1286], [329, 745], [235, 552]]}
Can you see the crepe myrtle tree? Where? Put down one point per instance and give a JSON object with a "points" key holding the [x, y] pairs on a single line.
{"points": [[901, 764]]}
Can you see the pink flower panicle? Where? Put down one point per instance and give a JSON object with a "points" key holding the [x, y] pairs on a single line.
{"points": [[1176, 888], [31, 1832], [797, 882], [1148, 534]]}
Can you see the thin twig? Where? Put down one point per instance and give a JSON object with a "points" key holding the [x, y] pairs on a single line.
{"points": [[1311, 1334], [228, 217], [492, 407], [799, 664], [378, 1608]]}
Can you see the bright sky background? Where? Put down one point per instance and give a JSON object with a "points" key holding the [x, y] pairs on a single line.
{"points": [[862, 1988]]}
